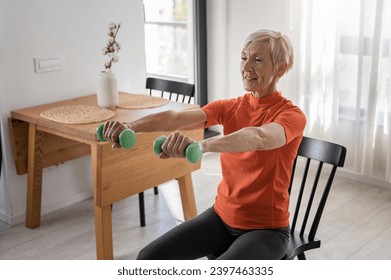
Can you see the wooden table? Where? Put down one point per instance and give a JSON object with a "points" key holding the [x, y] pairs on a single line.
{"points": [[117, 173]]}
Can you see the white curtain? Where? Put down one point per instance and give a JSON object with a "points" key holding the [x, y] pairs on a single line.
{"points": [[344, 63]]}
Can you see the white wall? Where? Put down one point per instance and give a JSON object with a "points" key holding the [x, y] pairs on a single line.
{"points": [[75, 30], [229, 22]]}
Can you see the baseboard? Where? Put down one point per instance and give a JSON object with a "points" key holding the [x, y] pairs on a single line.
{"points": [[48, 207], [61, 203], [365, 179], [5, 218]]}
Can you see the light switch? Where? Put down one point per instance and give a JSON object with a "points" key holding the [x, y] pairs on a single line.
{"points": [[48, 63]]}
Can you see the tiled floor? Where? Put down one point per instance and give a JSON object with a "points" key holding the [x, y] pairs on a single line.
{"points": [[356, 223]]}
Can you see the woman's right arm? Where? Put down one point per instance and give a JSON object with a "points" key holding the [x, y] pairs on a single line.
{"points": [[167, 121]]}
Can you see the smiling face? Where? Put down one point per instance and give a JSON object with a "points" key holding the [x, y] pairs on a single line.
{"points": [[258, 73]]}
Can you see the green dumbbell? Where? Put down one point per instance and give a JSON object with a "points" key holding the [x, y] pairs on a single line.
{"points": [[127, 137], [193, 151]]}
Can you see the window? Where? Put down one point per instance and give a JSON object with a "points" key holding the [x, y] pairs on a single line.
{"points": [[169, 39], [358, 50], [345, 64]]}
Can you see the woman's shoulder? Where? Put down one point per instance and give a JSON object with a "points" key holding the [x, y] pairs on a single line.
{"points": [[290, 105], [227, 102]]}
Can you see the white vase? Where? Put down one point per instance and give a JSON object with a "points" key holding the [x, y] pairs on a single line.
{"points": [[107, 90]]}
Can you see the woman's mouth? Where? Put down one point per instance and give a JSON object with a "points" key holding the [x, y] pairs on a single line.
{"points": [[250, 78]]}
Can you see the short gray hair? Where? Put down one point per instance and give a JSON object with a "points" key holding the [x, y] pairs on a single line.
{"points": [[279, 45]]}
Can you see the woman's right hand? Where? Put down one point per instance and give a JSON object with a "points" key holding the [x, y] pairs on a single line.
{"points": [[111, 132]]}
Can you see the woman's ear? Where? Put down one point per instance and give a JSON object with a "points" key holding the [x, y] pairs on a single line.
{"points": [[281, 69]]}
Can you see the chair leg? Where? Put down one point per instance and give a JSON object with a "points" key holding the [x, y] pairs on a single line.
{"points": [[301, 256], [142, 209], [156, 191]]}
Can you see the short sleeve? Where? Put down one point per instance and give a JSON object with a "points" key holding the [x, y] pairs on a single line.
{"points": [[293, 120], [214, 112]]}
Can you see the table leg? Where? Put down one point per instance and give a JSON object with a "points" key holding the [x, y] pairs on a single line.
{"points": [[103, 233], [187, 196], [103, 225], [34, 178]]}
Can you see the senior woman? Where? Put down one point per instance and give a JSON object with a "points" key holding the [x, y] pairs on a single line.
{"points": [[262, 133]]}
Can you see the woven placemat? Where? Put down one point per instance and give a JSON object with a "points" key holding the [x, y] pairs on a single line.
{"points": [[140, 101], [78, 114]]}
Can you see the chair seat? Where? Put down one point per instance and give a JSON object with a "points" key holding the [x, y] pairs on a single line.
{"points": [[299, 244]]}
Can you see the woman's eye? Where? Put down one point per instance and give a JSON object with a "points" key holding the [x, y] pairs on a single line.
{"points": [[258, 59]]}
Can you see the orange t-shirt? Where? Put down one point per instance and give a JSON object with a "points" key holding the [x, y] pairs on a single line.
{"points": [[253, 193]]}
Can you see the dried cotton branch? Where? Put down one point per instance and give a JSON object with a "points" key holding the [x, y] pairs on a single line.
{"points": [[112, 48]]}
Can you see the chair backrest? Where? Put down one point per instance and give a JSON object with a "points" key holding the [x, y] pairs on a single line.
{"points": [[177, 91], [329, 157]]}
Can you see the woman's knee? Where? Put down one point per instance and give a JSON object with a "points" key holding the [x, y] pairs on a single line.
{"points": [[147, 253], [142, 255]]}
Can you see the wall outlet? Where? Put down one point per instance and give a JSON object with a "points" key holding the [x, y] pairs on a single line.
{"points": [[48, 63]]}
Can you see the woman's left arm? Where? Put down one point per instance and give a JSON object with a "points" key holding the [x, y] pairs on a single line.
{"points": [[266, 137]]}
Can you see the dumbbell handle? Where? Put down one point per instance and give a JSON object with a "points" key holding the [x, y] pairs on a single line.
{"points": [[193, 151], [127, 137]]}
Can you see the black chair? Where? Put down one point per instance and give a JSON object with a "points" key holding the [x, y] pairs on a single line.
{"points": [[329, 157], [174, 91]]}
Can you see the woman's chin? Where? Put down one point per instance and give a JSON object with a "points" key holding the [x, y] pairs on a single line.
{"points": [[247, 88]]}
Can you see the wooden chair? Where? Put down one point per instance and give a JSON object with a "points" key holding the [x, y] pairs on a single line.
{"points": [[174, 91], [329, 157]]}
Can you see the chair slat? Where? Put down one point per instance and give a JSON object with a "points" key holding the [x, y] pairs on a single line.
{"points": [[311, 199], [322, 203]]}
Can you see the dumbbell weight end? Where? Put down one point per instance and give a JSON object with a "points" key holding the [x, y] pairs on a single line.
{"points": [[193, 152], [99, 132], [157, 145]]}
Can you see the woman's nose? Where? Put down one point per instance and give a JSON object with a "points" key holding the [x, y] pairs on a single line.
{"points": [[246, 66]]}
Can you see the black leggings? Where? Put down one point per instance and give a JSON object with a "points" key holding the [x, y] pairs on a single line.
{"points": [[208, 235]]}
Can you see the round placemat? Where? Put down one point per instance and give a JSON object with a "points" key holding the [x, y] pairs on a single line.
{"points": [[78, 114], [140, 101]]}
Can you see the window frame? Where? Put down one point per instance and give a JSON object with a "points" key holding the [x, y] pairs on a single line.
{"points": [[189, 26]]}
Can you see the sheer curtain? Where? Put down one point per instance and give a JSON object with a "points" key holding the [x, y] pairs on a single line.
{"points": [[344, 64]]}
